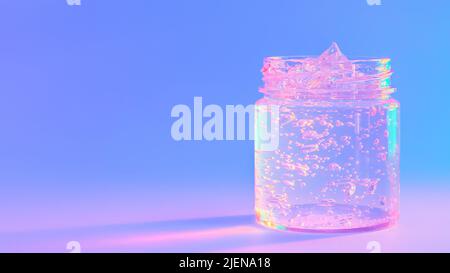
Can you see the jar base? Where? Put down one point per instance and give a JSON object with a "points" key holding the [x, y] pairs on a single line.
{"points": [[317, 218]]}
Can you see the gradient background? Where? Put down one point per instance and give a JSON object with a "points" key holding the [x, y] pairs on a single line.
{"points": [[86, 94]]}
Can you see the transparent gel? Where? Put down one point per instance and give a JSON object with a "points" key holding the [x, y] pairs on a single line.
{"points": [[336, 167]]}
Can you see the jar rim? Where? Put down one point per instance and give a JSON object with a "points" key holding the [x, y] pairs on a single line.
{"points": [[304, 57], [366, 64]]}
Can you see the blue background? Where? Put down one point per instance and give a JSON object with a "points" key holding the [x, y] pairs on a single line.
{"points": [[86, 94]]}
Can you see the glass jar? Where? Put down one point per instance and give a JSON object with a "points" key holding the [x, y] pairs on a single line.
{"points": [[336, 164]]}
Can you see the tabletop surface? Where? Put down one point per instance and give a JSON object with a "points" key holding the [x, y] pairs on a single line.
{"points": [[424, 227]]}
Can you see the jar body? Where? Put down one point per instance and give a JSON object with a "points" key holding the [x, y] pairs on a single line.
{"points": [[336, 167]]}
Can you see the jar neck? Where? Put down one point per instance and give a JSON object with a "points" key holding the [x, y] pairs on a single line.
{"points": [[331, 76]]}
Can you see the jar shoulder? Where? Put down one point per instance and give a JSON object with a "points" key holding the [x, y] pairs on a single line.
{"points": [[388, 103]]}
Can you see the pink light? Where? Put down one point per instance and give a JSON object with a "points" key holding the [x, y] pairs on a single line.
{"points": [[167, 238]]}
